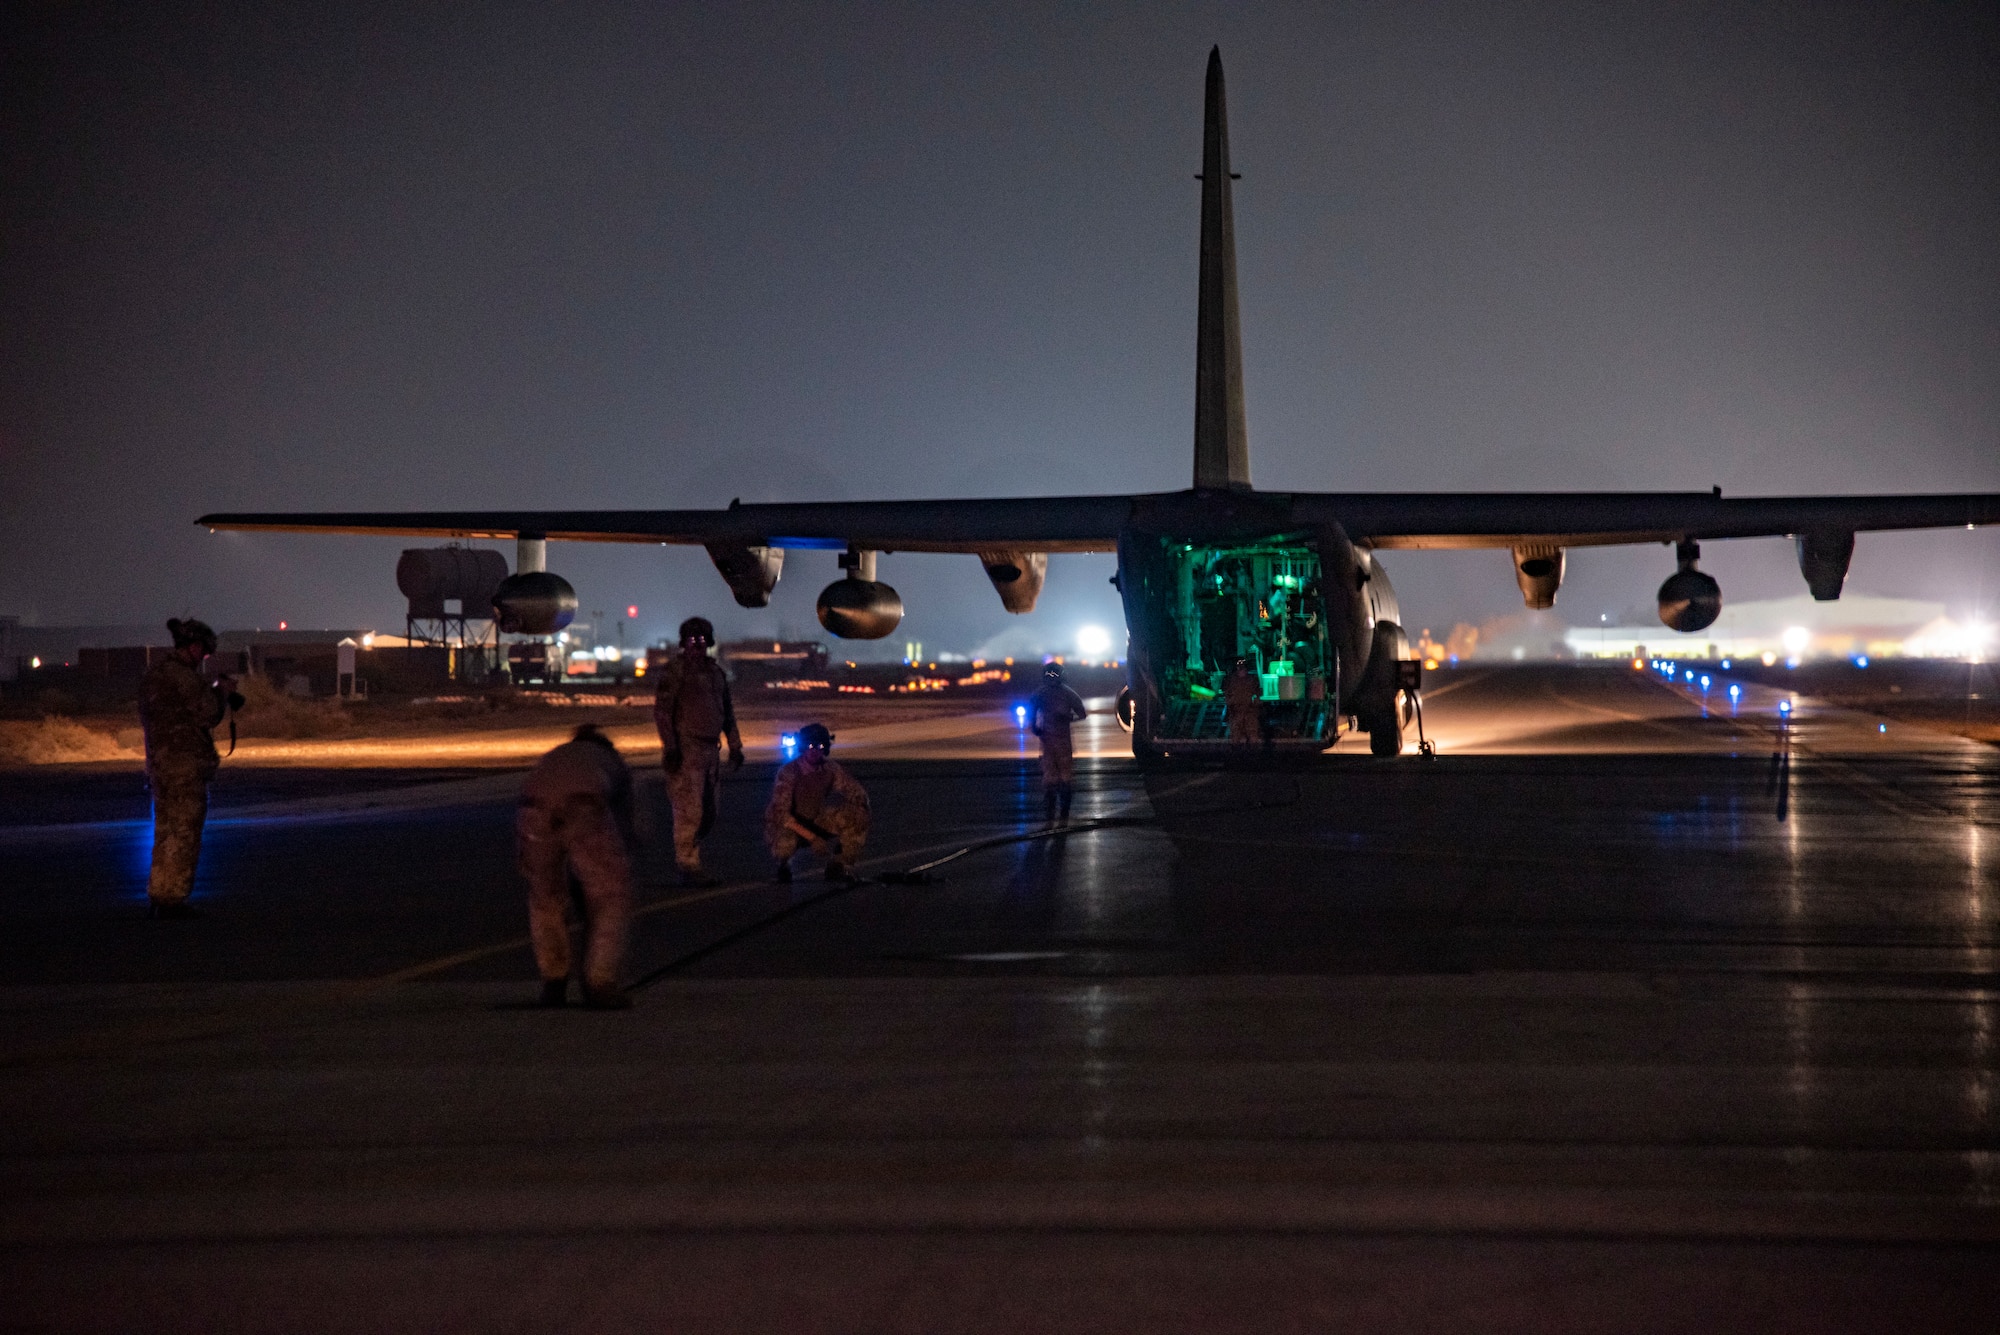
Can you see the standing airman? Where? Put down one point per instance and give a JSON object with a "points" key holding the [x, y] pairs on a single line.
{"points": [[1241, 692], [1052, 709], [692, 709], [179, 708]]}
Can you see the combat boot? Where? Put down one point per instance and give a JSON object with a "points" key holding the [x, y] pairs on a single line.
{"points": [[609, 998], [555, 992], [783, 876], [837, 873], [172, 908]]}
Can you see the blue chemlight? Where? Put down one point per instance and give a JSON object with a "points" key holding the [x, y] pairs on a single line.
{"points": [[1784, 706], [789, 744], [1020, 716], [1690, 675], [1734, 691], [1725, 664], [1881, 727], [1861, 661], [1704, 681]]}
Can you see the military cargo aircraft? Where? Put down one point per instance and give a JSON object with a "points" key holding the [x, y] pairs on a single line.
{"points": [[1292, 581]]}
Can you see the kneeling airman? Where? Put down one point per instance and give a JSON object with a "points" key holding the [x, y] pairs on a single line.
{"points": [[817, 802]]}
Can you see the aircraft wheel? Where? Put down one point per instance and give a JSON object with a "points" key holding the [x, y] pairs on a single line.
{"points": [[1385, 737]]}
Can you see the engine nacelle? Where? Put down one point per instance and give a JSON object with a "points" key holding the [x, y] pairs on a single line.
{"points": [[1017, 577], [860, 609], [751, 572], [1539, 572], [534, 603], [1823, 559], [1689, 600]]}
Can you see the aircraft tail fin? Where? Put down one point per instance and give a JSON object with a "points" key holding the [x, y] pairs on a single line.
{"points": [[1221, 441]]}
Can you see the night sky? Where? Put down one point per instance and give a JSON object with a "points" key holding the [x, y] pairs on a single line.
{"points": [[333, 256]]}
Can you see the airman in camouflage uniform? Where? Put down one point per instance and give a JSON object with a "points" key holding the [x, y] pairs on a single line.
{"points": [[692, 708], [575, 821], [1241, 692], [179, 709], [1053, 708], [818, 802]]}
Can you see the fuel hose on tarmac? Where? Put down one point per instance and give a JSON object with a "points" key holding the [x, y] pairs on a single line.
{"points": [[921, 874]]}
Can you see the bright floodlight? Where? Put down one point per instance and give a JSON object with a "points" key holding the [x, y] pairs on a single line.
{"points": [[1795, 639], [1093, 641]]}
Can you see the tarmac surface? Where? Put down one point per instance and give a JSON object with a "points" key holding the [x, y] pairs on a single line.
{"points": [[1640, 1007]]}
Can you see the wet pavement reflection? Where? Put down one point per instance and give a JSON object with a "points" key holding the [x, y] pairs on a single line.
{"points": [[1619, 965]]}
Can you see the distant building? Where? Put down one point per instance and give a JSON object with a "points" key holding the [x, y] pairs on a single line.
{"points": [[769, 660], [1784, 628]]}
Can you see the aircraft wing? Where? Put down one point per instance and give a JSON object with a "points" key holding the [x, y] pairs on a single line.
{"points": [[1045, 524], [1429, 520], [1596, 519]]}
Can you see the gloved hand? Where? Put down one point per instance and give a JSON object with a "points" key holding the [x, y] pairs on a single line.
{"points": [[735, 757]]}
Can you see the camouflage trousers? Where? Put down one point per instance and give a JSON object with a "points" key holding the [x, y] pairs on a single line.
{"points": [[1058, 759], [848, 827], [580, 840], [1244, 725], [180, 809], [693, 790]]}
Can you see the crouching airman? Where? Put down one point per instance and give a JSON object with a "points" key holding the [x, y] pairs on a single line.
{"points": [[576, 821], [817, 802]]}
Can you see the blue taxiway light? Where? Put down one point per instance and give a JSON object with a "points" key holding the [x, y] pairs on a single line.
{"points": [[1725, 665], [1021, 716], [1704, 681], [1881, 727], [1862, 661], [1735, 691]]}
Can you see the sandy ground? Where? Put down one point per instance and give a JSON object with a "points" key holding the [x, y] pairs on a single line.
{"points": [[456, 736]]}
